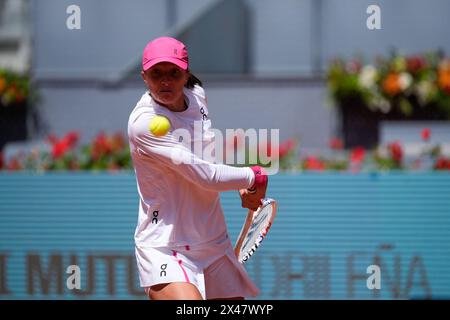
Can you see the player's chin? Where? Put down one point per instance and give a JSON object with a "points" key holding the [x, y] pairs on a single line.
{"points": [[166, 96]]}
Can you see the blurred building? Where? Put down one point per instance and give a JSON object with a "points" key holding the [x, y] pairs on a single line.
{"points": [[262, 61], [15, 29]]}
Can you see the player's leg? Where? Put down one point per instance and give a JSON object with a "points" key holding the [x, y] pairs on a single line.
{"points": [[173, 291]]}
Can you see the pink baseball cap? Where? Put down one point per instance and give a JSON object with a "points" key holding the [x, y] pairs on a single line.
{"points": [[165, 49]]}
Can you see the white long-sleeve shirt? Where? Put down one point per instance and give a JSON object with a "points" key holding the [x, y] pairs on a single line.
{"points": [[179, 202]]}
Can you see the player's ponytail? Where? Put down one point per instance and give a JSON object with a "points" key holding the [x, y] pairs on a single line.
{"points": [[192, 81]]}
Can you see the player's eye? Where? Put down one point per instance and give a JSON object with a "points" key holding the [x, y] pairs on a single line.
{"points": [[175, 73], [155, 73]]}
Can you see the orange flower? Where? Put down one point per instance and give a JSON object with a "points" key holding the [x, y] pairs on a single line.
{"points": [[391, 85], [444, 79], [2, 85]]}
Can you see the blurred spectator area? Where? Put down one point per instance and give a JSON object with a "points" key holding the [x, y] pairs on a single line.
{"points": [[260, 57]]}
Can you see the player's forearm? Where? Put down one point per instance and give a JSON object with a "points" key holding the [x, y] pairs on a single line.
{"points": [[211, 176], [220, 177]]}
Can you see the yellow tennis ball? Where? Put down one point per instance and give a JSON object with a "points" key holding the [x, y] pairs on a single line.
{"points": [[159, 126]]}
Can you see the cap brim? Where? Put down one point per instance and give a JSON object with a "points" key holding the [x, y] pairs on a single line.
{"points": [[180, 63]]}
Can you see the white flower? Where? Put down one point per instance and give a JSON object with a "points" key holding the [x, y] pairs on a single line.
{"points": [[383, 151], [423, 90], [405, 80], [381, 103], [368, 76]]}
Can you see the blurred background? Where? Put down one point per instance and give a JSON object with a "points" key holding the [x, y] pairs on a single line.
{"points": [[364, 126]]}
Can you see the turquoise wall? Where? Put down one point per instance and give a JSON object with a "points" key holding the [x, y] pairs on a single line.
{"points": [[329, 228]]}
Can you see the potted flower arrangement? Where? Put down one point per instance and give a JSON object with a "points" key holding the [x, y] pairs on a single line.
{"points": [[395, 88]]}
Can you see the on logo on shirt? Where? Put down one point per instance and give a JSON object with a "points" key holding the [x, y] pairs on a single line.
{"points": [[155, 216], [163, 270], [204, 114]]}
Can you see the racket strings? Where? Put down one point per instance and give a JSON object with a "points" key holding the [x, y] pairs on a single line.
{"points": [[256, 232]]}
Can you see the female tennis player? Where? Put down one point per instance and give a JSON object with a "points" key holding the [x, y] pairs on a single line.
{"points": [[182, 246]]}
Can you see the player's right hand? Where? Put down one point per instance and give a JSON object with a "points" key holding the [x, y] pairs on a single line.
{"points": [[249, 201]]}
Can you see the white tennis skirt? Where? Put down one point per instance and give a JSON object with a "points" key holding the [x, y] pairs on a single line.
{"points": [[214, 269]]}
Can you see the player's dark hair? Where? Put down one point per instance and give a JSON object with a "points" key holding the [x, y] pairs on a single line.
{"points": [[192, 81]]}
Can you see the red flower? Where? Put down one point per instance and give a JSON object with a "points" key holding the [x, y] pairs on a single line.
{"points": [[442, 164], [396, 151], [336, 144], [415, 63], [59, 150], [72, 138], [283, 150], [426, 134], [20, 97], [14, 164], [52, 139], [286, 147], [117, 142], [101, 146], [312, 163], [357, 155], [60, 147]]}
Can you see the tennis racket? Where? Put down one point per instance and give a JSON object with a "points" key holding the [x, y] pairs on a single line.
{"points": [[255, 229]]}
